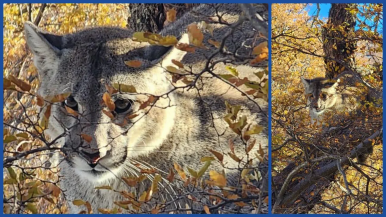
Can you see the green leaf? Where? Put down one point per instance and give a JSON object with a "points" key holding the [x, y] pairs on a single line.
{"points": [[139, 36], [265, 89], [242, 122], [31, 207], [226, 76], [260, 74], [206, 158], [232, 70], [23, 135], [235, 110], [253, 85], [32, 192], [254, 130], [22, 177], [125, 88], [12, 173], [204, 169], [192, 172], [10, 181], [9, 139]]}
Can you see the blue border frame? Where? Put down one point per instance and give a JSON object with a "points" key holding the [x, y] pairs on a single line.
{"points": [[269, 110], [207, 1]]}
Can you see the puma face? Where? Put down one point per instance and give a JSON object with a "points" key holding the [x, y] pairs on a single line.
{"points": [[99, 142], [321, 95]]}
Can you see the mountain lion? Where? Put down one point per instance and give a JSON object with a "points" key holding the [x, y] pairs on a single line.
{"points": [[330, 95], [125, 112]]}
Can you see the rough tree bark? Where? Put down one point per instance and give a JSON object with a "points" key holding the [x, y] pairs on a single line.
{"points": [[151, 17], [337, 42]]}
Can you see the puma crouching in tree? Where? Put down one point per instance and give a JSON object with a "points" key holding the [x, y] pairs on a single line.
{"points": [[336, 96]]}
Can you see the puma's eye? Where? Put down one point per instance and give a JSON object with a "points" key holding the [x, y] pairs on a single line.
{"points": [[71, 102], [310, 95], [323, 95], [123, 105]]}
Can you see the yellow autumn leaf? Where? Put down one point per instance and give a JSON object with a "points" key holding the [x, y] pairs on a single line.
{"points": [[217, 178], [206, 208], [259, 58], [78, 202], [168, 41]]}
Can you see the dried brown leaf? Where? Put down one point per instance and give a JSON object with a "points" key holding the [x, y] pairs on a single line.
{"points": [[108, 113], [180, 171], [218, 155], [178, 63], [86, 137], [195, 35], [24, 86], [108, 101], [171, 15], [71, 111]]}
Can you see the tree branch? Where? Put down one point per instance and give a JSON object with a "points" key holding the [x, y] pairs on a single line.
{"points": [[328, 169]]}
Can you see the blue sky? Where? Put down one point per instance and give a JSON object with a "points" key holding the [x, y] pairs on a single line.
{"points": [[323, 14], [324, 8]]}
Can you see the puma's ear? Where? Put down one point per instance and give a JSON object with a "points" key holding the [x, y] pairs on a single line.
{"points": [[45, 47], [175, 53], [306, 82], [42, 43]]}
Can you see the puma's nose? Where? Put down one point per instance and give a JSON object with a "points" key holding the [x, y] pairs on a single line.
{"points": [[91, 157], [314, 105]]}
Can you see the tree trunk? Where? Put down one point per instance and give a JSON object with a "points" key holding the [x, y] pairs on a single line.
{"points": [[338, 44], [152, 17]]}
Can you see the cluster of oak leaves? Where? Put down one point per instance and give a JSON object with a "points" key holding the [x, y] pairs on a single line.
{"points": [[32, 187]]}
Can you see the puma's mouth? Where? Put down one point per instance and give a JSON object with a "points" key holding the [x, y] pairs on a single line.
{"points": [[95, 172], [319, 110], [100, 172], [98, 175]]}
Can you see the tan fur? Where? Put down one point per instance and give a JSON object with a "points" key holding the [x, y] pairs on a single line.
{"points": [[329, 96], [178, 129]]}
